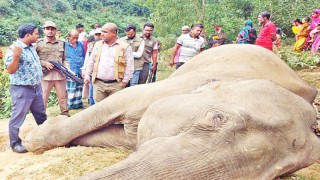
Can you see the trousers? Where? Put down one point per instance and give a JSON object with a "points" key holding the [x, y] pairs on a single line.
{"points": [[60, 87], [25, 98]]}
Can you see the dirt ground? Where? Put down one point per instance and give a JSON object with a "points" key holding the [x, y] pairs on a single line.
{"points": [[58, 163], [68, 163]]}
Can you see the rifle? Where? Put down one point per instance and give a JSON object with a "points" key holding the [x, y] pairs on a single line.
{"points": [[151, 74], [59, 67], [150, 77]]}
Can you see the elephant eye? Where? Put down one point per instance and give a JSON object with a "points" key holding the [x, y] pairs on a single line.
{"points": [[217, 120], [213, 120]]}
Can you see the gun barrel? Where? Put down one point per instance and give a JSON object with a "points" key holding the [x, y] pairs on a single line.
{"points": [[65, 71]]}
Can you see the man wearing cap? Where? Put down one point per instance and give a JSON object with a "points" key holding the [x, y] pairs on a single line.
{"points": [[94, 27], [184, 30], [97, 37], [51, 49]]}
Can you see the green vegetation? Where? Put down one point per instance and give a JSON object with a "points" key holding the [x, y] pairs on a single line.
{"points": [[67, 13], [299, 60], [5, 101], [168, 17]]}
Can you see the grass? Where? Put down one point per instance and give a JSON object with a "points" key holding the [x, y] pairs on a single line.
{"points": [[164, 70]]}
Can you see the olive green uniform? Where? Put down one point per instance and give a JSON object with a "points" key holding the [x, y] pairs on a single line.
{"points": [[150, 44], [53, 51]]}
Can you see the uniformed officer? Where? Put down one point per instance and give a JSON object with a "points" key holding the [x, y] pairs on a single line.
{"points": [[51, 49], [150, 52]]}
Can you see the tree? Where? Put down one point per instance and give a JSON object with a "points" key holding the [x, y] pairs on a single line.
{"points": [[170, 16], [66, 14]]}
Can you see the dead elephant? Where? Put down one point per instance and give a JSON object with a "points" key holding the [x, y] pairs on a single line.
{"points": [[236, 111]]}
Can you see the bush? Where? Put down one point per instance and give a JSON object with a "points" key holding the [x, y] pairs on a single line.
{"points": [[52, 101], [299, 60], [5, 100]]}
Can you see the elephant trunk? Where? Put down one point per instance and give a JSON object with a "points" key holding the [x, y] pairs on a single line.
{"points": [[202, 156], [172, 158], [155, 160]]}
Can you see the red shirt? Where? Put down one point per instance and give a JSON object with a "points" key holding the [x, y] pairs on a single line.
{"points": [[264, 38], [85, 46]]}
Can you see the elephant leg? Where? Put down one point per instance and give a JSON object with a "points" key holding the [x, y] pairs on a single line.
{"points": [[111, 136]]}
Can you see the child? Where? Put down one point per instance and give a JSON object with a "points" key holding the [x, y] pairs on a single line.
{"points": [[296, 26], [302, 35], [314, 32], [277, 42]]}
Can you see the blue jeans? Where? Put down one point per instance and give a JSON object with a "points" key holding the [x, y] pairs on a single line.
{"points": [[91, 100], [135, 78], [25, 98]]}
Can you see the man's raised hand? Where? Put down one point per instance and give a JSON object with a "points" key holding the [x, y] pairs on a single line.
{"points": [[16, 49]]}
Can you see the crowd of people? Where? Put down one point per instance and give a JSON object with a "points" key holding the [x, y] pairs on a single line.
{"points": [[192, 43], [307, 32], [108, 64]]}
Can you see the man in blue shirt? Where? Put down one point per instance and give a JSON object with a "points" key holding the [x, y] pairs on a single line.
{"points": [[23, 65], [75, 55]]}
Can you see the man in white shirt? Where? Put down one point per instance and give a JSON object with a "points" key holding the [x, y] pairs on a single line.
{"points": [[189, 44], [110, 63]]}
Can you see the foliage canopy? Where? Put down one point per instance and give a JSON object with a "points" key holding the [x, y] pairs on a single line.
{"points": [[66, 14], [168, 17]]}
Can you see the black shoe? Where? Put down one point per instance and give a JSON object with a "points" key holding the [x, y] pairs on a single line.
{"points": [[19, 149], [65, 114]]}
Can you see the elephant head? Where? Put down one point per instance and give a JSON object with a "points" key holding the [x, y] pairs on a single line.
{"points": [[249, 129]]}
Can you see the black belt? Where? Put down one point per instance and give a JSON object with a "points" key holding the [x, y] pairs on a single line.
{"points": [[29, 86], [107, 81]]}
